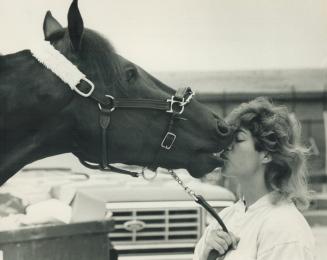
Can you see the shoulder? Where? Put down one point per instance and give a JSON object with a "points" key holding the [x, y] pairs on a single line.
{"points": [[285, 217], [285, 225], [229, 211], [226, 214]]}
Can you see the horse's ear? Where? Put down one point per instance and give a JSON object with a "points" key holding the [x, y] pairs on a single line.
{"points": [[50, 26], [75, 25]]}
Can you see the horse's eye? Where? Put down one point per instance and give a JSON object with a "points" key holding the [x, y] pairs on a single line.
{"points": [[131, 74]]}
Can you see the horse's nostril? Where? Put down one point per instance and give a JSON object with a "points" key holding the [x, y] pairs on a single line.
{"points": [[223, 129]]}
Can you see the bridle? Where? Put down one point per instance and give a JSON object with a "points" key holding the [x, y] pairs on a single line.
{"points": [[78, 82], [52, 59], [107, 104], [175, 106]]}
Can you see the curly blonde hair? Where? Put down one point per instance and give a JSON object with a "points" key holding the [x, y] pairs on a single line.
{"points": [[277, 132]]}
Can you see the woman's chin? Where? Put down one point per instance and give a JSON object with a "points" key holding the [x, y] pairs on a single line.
{"points": [[226, 172]]}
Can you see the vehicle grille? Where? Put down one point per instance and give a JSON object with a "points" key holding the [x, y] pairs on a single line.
{"points": [[160, 225]]}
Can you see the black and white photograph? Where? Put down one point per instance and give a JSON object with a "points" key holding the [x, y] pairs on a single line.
{"points": [[163, 130]]}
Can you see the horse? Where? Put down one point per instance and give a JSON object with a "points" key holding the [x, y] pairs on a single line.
{"points": [[40, 116]]}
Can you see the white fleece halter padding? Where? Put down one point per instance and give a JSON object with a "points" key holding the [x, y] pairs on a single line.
{"points": [[47, 55]]}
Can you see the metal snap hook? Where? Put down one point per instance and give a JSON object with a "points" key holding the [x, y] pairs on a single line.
{"points": [[154, 174]]}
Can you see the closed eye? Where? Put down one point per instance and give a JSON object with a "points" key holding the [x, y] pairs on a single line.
{"points": [[240, 136]]}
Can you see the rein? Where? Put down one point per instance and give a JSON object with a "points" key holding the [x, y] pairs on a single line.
{"points": [[213, 254]]}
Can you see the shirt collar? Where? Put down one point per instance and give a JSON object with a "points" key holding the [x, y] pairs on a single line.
{"points": [[265, 200]]}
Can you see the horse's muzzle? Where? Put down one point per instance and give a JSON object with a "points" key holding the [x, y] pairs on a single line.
{"points": [[223, 129]]}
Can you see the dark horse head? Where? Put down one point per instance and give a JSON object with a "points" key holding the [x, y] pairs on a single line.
{"points": [[40, 116]]}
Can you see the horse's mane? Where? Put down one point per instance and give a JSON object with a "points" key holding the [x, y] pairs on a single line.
{"points": [[100, 60], [99, 55]]}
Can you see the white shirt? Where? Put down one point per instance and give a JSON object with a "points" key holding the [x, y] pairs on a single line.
{"points": [[266, 231]]}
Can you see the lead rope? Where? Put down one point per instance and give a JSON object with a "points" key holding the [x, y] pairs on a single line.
{"points": [[188, 190], [202, 202]]}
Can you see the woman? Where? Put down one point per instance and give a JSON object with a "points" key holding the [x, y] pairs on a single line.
{"points": [[269, 163]]}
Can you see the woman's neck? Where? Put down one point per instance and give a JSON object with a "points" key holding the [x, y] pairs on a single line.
{"points": [[253, 188]]}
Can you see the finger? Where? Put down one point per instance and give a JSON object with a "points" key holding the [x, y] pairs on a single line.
{"points": [[234, 240], [226, 237], [222, 243], [219, 248]]}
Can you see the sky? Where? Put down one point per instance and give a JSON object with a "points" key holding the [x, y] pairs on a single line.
{"points": [[174, 35]]}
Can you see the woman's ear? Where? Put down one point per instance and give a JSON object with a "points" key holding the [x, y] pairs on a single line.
{"points": [[266, 158]]}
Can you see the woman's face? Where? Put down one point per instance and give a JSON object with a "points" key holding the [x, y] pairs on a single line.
{"points": [[241, 159]]}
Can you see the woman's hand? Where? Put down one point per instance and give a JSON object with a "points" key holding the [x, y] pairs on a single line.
{"points": [[220, 241]]}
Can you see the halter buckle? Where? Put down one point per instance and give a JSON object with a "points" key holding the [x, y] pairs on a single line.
{"points": [[172, 108], [168, 140], [85, 94], [180, 100]]}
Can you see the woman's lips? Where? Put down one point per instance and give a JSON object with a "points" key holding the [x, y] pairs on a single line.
{"points": [[224, 157], [220, 157]]}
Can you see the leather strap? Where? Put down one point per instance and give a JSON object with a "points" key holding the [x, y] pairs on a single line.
{"points": [[163, 146], [109, 169], [104, 121], [107, 104], [213, 254]]}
